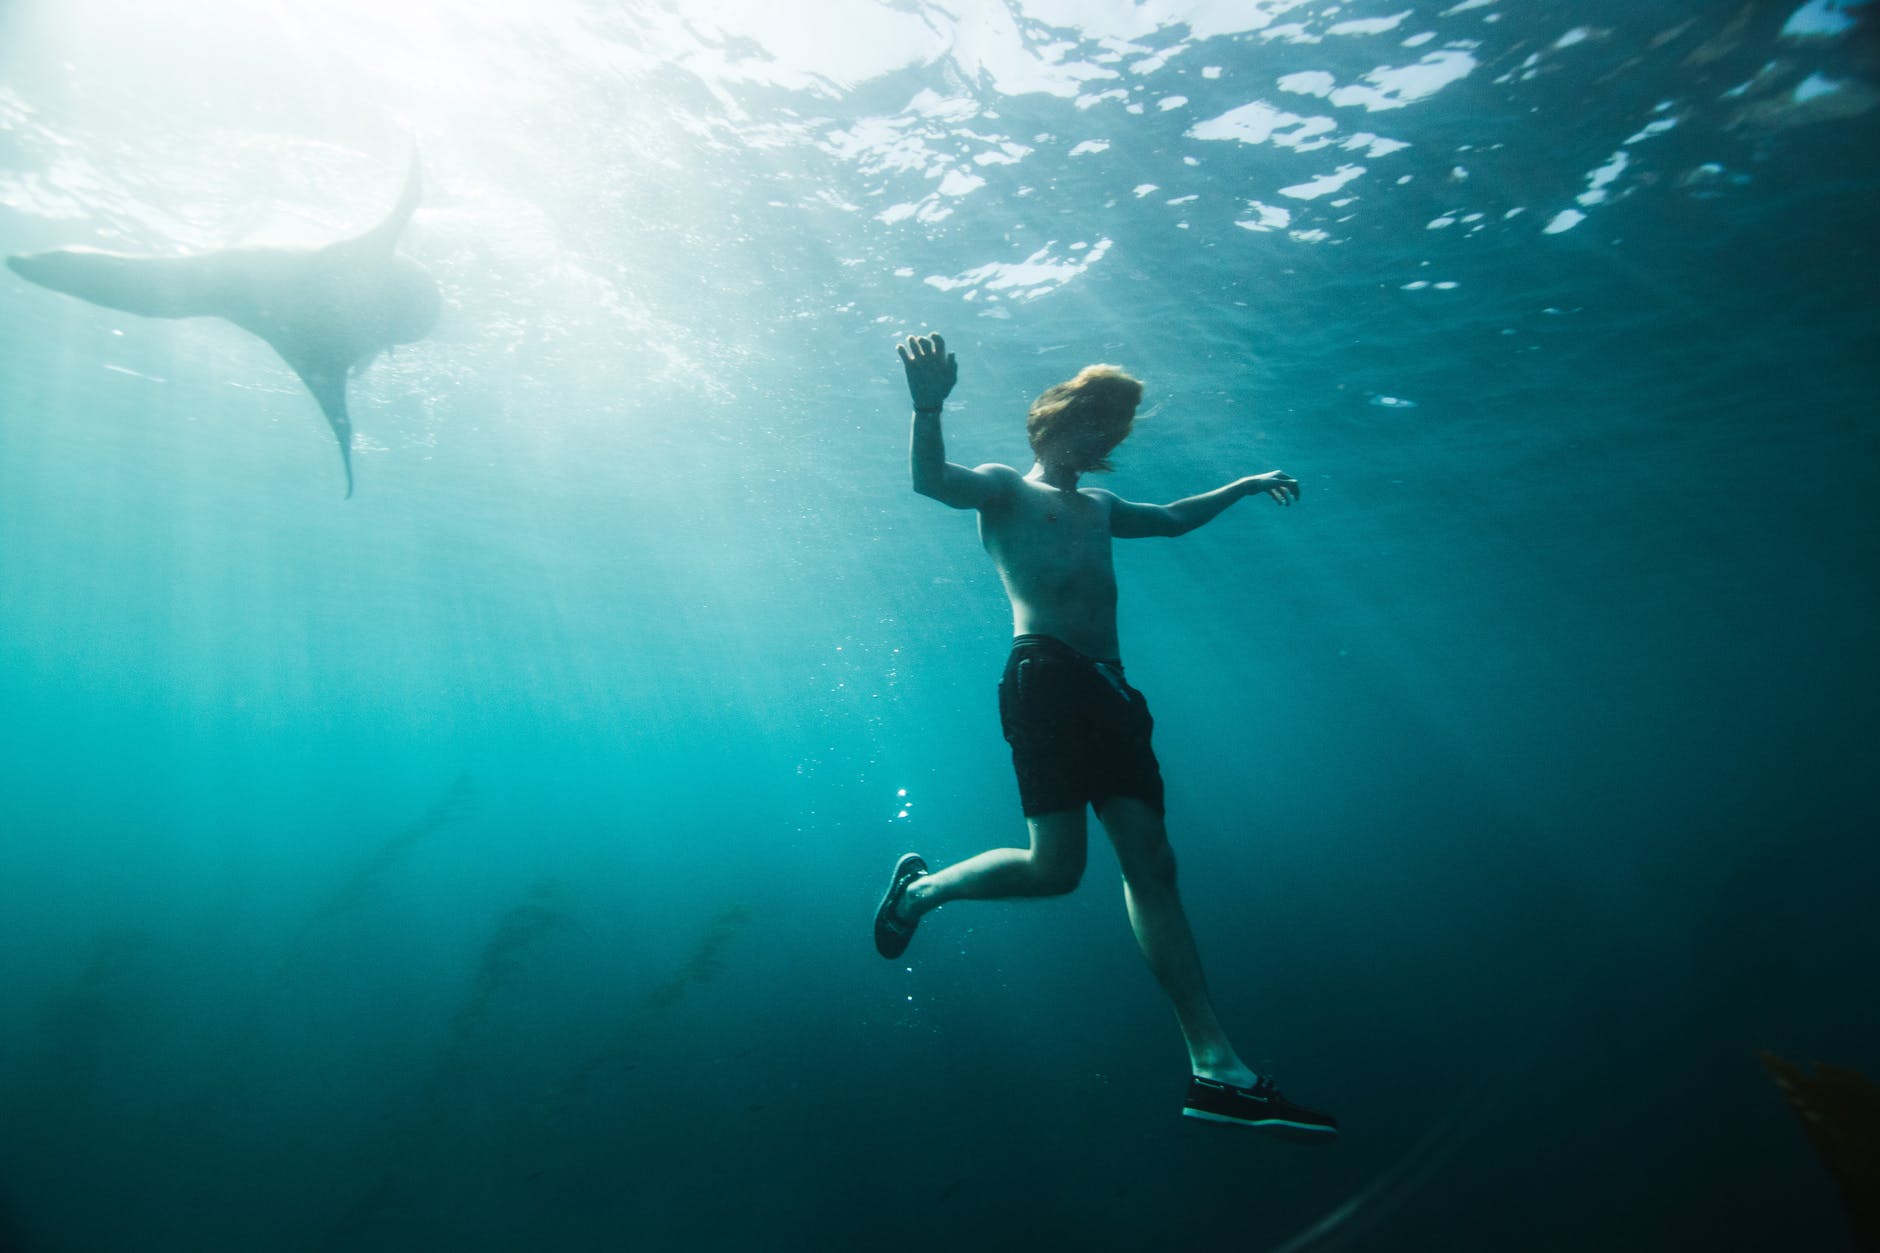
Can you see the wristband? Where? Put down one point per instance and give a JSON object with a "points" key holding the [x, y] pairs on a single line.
{"points": [[927, 408]]}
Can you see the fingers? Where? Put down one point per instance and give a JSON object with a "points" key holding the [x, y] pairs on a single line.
{"points": [[923, 347], [1283, 488]]}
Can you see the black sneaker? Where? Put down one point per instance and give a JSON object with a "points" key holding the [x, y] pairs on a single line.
{"points": [[1258, 1106], [891, 933]]}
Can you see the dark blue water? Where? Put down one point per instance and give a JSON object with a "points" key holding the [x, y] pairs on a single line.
{"points": [[486, 862]]}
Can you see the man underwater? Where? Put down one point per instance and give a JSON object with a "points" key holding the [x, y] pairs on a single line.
{"points": [[1079, 732], [327, 311]]}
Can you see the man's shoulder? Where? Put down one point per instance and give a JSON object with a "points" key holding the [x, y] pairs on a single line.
{"points": [[1003, 478]]}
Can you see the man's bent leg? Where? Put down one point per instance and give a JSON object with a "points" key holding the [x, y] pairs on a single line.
{"points": [[1052, 866], [1163, 934]]}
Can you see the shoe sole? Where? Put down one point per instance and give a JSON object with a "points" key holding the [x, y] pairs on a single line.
{"points": [[1293, 1130]]}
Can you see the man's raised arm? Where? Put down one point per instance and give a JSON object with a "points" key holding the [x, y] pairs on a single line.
{"points": [[1130, 520], [931, 373]]}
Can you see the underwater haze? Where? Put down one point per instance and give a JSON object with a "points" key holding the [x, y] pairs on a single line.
{"points": [[486, 862]]}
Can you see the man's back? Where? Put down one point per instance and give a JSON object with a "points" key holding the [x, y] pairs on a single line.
{"points": [[1050, 540], [1052, 550]]}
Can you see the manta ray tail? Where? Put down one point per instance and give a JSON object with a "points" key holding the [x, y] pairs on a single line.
{"points": [[329, 388]]}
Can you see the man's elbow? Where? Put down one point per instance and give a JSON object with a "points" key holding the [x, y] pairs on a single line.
{"points": [[1169, 524]]}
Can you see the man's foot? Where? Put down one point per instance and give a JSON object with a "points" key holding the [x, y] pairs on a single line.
{"points": [[892, 931], [1257, 1105]]}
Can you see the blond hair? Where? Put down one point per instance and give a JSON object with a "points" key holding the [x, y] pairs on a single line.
{"points": [[1101, 399]]}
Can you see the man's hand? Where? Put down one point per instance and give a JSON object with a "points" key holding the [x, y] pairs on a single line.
{"points": [[931, 369], [1283, 488]]}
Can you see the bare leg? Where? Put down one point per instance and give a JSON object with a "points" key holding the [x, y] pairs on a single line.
{"points": [[1163, 934], [1052, 866]]}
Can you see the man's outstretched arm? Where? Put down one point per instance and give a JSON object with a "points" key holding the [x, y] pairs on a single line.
{"points": [[1131, 520], [931, 373]]}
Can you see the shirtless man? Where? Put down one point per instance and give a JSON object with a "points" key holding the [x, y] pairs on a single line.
{"points": [[1079, 733]]}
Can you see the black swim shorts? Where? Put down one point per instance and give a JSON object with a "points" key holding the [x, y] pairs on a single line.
{"points": [[1079, 733]]}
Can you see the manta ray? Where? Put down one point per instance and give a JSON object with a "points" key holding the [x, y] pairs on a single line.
{"points": [[327, 311]]}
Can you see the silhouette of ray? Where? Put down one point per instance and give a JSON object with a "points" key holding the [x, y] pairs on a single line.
{"points": [[503, 956], [328, 312], [503, 959], [458, 800], [700, 964]]}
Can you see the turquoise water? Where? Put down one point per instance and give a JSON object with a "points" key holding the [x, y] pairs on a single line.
{"points": [[486, 862]]}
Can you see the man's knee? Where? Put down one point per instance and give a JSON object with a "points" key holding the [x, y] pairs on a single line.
{"points": [[1056, 876], [1151, 865]]}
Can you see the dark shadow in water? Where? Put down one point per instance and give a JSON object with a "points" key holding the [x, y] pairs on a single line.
{"points": [[381, 1218], [82, 1027], [504, 958], [703, 962], [1839, 1110], [457, 801], [84, 1022], [51, 1099]]}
